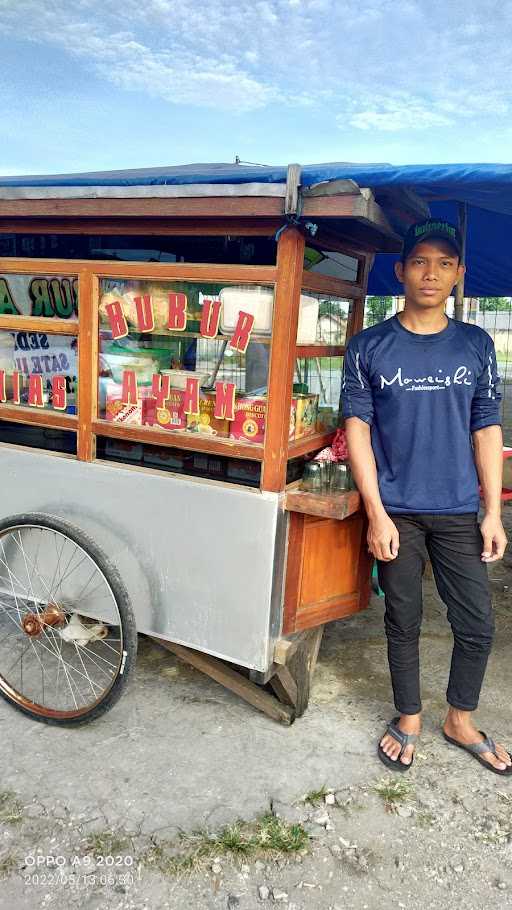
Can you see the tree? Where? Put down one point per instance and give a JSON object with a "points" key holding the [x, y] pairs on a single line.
{"points": [[377, 308], [494, 304]]}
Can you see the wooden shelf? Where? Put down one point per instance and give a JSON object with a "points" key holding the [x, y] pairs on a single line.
{"points": [[43, 417], [310, 443], [179, 439], [323, 505], [50, 325]]}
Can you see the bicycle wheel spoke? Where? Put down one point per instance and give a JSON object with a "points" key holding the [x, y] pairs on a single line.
{"points": [[57, 567], [26, 567], [37, 573]]}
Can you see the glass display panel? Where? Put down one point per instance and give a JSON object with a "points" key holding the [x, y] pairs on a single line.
{"points": [[316, 396], [243, 250], [336, 265], [39, 370], [323, 319], [180, 461], [191, 357], [39, 295], [34, 437]]}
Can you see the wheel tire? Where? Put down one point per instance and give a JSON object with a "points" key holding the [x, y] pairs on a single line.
{"points": [[127, 619]]}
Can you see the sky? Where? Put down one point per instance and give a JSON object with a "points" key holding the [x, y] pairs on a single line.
{"points": [[104, 84]]}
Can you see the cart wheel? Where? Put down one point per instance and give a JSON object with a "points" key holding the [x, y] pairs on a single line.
{"points": [[67, 632]]}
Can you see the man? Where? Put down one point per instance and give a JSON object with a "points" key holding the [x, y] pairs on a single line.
{"points": [[421, 410]]}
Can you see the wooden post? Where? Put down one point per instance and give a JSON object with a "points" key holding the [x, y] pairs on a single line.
{"points": [[459, 288], [290, 261], [87, 363], [356, 320]]}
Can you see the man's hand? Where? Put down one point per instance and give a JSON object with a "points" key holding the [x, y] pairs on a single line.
{"points": [[495, 539], [383, 538]]}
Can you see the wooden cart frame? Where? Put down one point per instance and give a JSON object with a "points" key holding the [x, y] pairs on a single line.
{"points": [[346, 220]]}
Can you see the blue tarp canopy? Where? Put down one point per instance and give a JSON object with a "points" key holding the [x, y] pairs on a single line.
{"points": [[485, 188]]}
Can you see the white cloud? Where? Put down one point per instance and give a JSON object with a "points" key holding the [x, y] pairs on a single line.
{"points": [[407, 118], [380, 65]]}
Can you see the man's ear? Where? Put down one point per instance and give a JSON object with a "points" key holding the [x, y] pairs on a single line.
{"points": [[399, 271]]}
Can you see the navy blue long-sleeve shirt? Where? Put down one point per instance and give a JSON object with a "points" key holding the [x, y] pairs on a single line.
{"points": [[423, 396]]}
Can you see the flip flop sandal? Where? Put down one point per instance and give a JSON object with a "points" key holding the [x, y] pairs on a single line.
{"points": [[475, 749], [404, 739]]}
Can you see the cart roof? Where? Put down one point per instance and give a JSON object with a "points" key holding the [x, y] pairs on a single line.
{"points": [[485, 188]]}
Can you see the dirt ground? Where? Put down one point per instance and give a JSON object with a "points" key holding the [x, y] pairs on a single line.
{"points": [[104, 816]]}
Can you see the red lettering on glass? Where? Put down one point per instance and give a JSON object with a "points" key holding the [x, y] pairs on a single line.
{"points": [[144, 308], [160, 388], [191, 396], [225, 400], [16, 387], [59, 397], [242, 333], [35, 391], [177, 320], [210, 318], [117, 319], [129, 392]]}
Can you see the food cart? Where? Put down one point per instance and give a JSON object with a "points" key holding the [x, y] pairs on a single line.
{"points": [[171, 346]]}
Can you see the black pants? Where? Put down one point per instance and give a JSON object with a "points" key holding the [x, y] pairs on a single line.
{"points": [[454, 544]]}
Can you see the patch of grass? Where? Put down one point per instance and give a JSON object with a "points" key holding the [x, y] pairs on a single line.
{"points": [[500, 835], [267, 836], [316, 796], [107, 843], [425, 819], [7, 864], [393, 791], [11, 810]]}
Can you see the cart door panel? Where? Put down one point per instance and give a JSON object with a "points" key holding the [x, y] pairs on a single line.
{"points": [[328, 573]]}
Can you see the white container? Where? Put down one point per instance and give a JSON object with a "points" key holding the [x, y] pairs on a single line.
{"points": [[256, 300], [178, 378], [308, 319], [259, 302]]}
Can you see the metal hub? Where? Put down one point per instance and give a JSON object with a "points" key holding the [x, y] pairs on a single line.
{"points": [[33, 623]]}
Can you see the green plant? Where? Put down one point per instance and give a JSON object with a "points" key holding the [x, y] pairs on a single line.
{"points": [[11, 810], [316, 796], [392, 792], [268, 836]]}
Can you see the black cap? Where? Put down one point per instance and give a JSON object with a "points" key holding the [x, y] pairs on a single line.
{"points": [[429, 230]]}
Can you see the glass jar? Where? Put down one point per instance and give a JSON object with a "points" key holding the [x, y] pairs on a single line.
{"points": [[325, 474], [340, 477], [312, 477]]}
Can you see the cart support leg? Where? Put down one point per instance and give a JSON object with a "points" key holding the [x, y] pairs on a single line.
{"points": [[233, 680], [292, 680]]}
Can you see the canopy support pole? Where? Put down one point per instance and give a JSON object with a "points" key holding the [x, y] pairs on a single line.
{"points": [[459, 289]]}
